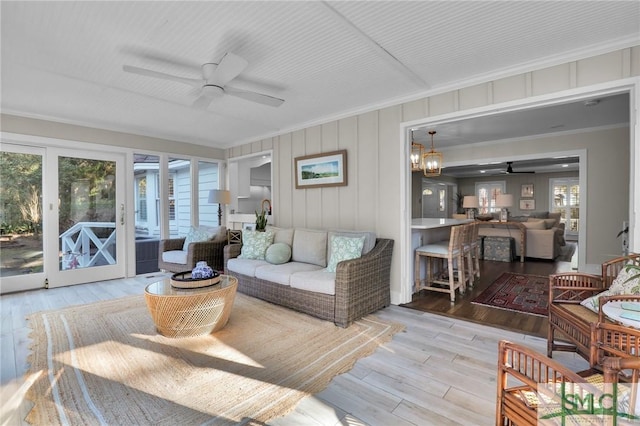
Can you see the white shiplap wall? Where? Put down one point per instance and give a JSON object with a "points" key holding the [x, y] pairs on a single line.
{"points": [[373, 198]]}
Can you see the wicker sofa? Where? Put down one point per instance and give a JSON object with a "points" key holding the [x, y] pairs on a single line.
{"points": [[357, 287]]}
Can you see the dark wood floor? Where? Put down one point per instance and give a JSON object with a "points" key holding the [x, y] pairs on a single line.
{"points": [[439, 303]]}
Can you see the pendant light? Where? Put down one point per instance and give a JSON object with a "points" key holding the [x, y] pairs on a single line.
{"points": [[432, 160], [417, 150]]}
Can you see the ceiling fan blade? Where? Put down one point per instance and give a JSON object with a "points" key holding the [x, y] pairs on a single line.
{"points": [[229, 67], [202, 102], [254, 97], [156, 74]]}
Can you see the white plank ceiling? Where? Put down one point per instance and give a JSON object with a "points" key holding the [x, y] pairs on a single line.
{"points": [[63, 61]]}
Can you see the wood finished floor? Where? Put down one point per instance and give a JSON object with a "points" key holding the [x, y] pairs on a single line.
{"points": [[439, 371], [439, 303]]}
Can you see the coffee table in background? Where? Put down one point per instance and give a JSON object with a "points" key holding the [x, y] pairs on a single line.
{"points": [[190, 312]]}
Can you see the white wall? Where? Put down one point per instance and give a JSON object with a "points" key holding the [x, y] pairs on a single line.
{"points": [[379, 181]]}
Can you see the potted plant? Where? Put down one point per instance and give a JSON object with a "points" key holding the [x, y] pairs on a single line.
{"points": [[458, 199], [261, 220]]}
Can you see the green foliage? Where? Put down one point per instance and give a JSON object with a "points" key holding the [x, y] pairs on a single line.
{"points": [[458, 198], [261, 220], [634, 268]]}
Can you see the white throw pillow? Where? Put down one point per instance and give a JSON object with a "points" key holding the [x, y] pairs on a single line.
{"points": [[344, 248], [255, 244], [534, 224], [625, 283]]}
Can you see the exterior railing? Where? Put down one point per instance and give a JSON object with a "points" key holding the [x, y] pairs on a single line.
{"points": [[76, 245]]}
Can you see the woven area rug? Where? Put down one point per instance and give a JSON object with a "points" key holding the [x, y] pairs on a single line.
{"points": [[104, 363], [517, 292]]}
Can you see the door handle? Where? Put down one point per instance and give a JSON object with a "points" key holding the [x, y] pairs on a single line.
{"points": [[121, 214]]}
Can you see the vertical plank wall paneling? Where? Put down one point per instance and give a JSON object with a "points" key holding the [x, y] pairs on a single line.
{"points": [[367, 171], [348, 136], [282, 167], [299, 197], [388, 222], [313, 197], [329, 197], [372, 197]]}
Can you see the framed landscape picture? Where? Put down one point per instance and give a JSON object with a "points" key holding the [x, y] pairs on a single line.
{"points": [[321, 170]]}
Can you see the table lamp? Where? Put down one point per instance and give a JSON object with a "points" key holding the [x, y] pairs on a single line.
{"points": [[470, 202], [504, 201], [219, 196]]}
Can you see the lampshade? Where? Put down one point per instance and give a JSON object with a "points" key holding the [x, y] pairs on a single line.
{"points": [[219, 196], [470, 202], [432, 160], [504, 200]]}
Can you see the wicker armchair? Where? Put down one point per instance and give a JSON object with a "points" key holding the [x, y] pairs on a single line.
{"points": [[211, 252], [568, 319], [531, 386]]}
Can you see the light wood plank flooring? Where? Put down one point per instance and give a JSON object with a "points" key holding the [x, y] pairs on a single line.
{"points": [[439, 371]]}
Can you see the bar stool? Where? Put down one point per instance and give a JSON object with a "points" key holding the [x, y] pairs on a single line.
{"points": [[449, 278], [471, 247]]}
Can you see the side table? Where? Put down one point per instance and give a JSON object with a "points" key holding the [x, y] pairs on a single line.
{"points": [[190, 312]]}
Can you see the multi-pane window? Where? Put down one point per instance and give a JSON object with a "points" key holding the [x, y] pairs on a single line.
{"points": [[142, 199], [565, 194], [487, 193]]}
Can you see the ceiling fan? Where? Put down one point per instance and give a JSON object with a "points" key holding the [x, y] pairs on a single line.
{"points": [[510, 169], [214, 81]]}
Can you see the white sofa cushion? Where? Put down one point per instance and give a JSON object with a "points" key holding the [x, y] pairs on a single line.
{"points": [[320, 281], [281, 274], [310, 246], [245, 266], [282, 235], [175, 256]]}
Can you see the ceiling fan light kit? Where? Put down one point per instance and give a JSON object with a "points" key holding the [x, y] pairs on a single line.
{"points": [[432, 160]]}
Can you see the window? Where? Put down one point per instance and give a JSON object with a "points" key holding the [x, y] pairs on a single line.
{"points": [[141, 196], [487, 193]]}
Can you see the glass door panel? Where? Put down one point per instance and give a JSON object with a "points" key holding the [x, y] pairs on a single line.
{"points": [[565, 199], [90, 217], [21, 224]]}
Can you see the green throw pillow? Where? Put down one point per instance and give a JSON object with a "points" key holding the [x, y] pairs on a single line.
{"points": [[196, 235], [344, 248], [255, 244], [278, 253], [625, 283]]}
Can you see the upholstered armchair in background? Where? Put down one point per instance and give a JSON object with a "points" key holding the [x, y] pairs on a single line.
{"points": [[201, 244]]}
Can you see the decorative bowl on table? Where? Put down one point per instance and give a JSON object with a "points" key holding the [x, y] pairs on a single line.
{"points": [[484, 217], [190, 280]]}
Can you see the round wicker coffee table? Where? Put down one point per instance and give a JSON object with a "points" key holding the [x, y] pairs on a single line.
{"points": [[190, 312]]}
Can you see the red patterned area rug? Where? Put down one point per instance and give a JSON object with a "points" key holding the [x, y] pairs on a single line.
{"points": [[517, 292]]}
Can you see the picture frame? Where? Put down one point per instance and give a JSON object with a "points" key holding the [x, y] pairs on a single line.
{"points": [[321, 170], [527, 204], [526, 190], [248, 226]]}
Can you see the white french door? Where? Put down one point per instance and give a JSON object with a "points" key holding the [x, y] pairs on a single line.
{"points": [[565, 199], [63, 217], [87, 217]]}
